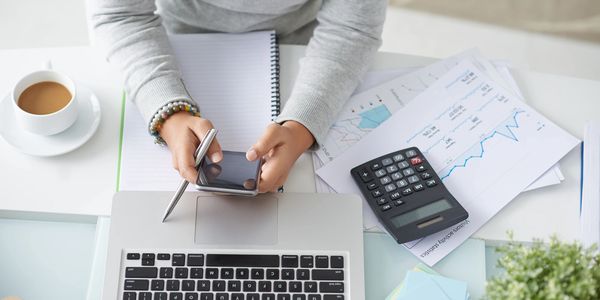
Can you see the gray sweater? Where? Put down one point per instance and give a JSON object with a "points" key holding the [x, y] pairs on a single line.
{"points": [[342, 37]]}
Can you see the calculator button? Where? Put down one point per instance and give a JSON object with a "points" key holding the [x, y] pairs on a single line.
{"points": [[421, 168], [390, 187], [418, 187], [391, 169], [380, 172], [381, 200], [376, 193], [401, 183], [373, 185], [431, 182], [385, 180], [396, 176], [425, 175], [376, 166], [387, 161], [398, 157], [408, 172], [365, 175], [403, 164], [413, 179], [415, 161], [410, 153], [386, 207], [398, 202], [407, 191], [395, 195]]}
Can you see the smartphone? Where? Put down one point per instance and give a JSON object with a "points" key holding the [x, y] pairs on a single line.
{"points": [[234, 174]]}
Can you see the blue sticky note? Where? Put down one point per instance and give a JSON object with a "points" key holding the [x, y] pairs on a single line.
{"points": [[421, 285]]}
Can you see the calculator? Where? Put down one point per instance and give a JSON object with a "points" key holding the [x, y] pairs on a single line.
{"points": [[407, 195]]}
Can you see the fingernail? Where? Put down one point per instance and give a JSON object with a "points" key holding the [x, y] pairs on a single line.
{"points": [[251, 154], [216, 157]]}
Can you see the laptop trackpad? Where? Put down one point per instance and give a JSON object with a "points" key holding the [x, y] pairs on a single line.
{"points": [[237, 220]]}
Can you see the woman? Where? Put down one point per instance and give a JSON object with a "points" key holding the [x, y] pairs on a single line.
{"points": [[342, 37]]}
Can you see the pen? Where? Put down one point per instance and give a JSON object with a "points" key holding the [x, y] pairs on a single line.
{"points": [[200, 153]]}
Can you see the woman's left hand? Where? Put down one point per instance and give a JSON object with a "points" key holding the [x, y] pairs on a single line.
{"points": [[280, 146]]}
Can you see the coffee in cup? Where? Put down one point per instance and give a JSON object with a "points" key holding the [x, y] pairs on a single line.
{"points": [[44, 102]]}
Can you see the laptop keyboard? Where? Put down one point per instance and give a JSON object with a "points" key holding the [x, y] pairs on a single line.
{"points": [[207, 276]]}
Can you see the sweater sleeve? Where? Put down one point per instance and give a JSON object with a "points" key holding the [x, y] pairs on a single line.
{"points": [[133, 38], [340, 51]]}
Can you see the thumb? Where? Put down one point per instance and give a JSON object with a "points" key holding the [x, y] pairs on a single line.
{"points": [[269, 140]]}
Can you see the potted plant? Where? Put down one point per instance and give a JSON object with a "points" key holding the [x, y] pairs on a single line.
{"points": [[556, 270]]}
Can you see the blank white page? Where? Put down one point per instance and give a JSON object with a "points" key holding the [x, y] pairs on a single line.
{"points": [[229, 76]]}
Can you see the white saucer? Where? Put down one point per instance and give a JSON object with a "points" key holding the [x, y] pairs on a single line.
{"points": [[81, 131]]}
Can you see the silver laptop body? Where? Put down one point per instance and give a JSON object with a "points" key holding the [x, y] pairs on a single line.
{"points": [[214, 247]]}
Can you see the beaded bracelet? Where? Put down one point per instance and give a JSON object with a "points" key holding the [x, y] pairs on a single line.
{"points": [[165, 112]]}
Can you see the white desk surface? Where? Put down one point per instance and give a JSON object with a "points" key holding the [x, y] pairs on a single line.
{"points": [[82, 182]]}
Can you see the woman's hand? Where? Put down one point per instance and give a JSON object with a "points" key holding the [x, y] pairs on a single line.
{"points": [[280, 146], [182, 132]]}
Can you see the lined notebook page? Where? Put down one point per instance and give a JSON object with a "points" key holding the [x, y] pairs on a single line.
{"points": [[229, 76]]}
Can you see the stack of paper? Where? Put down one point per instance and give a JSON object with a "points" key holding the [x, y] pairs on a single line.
{"points": [[424, 283], [484, 142], [590, 185]]}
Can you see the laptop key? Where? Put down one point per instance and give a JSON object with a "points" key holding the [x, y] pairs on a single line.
{"points": [[188, 285], [207, 296], [337, 262], [314, 297], [273, 274], [129, 296], [333, 297], [212, 273], [264, 286], [203, 285], [289, 261], [166, 272], [234, 286], [327, 275], [222, 296], [145, 296], [249, 286], [306, 261], [310, 287], [280, 286], [178, 260], [172, 285], [148, 259], [161, 296], [133, 256], [195, 260], [237, 296], [196, 273], [322, 261], [252, 297], [181, 272], [157, 285], [298, 297], [295, 286], [227, 273], [284, 297], [331, 287], [258, 274], [163, 256], [190, 296], [175, 296], [136, 285], [302, 274], [241, 273], [287, 274], [268, 296], [218, 285], [141, 272]]}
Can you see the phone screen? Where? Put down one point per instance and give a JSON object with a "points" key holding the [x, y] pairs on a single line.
{"points": [[234, 172]]}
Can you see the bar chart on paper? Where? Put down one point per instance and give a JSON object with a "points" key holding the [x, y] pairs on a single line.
{"points": [[486, 145]]}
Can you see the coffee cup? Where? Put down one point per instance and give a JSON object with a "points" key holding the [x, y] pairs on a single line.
{"points": [[45, 102]]}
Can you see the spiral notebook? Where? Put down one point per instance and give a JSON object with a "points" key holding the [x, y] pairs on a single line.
{"points": [[234, 78]]}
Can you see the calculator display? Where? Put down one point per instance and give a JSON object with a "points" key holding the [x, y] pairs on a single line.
{"points": [[421, 212]]}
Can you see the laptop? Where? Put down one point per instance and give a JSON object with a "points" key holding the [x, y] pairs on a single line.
{"points": [[277, 246]]}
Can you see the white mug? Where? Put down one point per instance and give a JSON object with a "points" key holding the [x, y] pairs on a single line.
{"points": [[47, 124]]}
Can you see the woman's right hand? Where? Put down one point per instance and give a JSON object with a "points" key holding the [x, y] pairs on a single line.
{"points": [[182, 132]]}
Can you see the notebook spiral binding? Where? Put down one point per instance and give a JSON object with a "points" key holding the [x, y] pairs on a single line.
{"points": [[275, 98]]}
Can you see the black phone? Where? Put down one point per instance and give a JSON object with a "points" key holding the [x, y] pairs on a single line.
{"points": [[234, 174]]}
